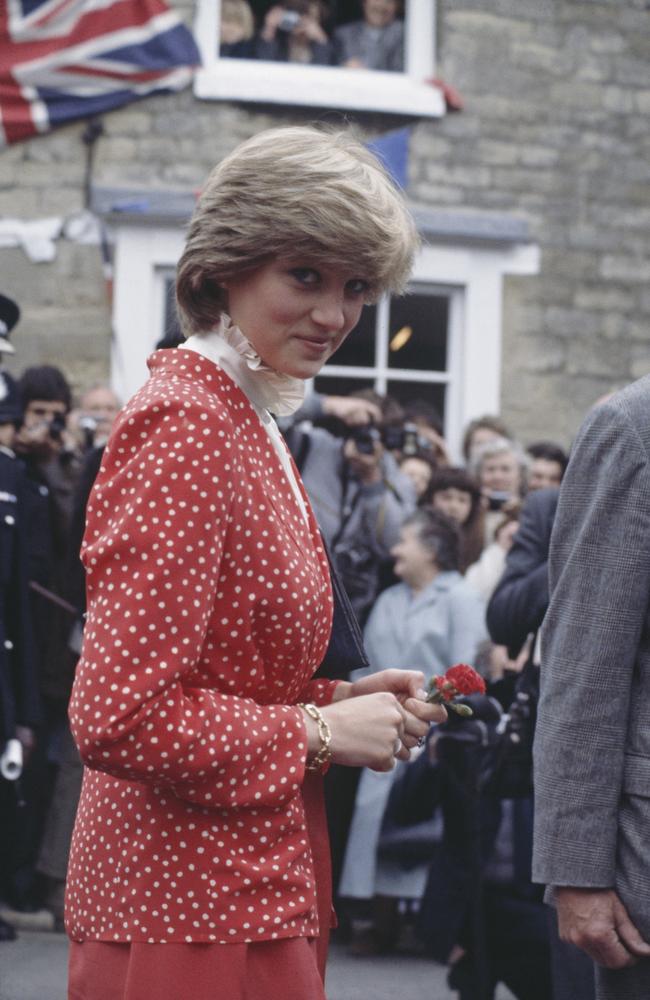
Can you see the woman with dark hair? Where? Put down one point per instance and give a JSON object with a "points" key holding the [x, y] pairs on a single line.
{"points": [[430, 620], [452, 491], [199, 862]]}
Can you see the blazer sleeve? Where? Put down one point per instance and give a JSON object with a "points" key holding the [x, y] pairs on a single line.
{"points": [[592, 633], [154, 545], [519, 602]]}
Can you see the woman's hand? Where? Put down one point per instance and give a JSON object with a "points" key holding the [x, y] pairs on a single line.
{"points": [[406, 689], [367, 731]]}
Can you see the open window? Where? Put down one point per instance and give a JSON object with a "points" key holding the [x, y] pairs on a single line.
{"points": [[230, 77]]}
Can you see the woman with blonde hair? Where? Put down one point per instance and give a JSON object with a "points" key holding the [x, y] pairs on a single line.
{"points": [[199, 863]]}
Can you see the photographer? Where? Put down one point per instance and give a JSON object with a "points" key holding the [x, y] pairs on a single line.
{"points": [[500, 468], [293, 32], [92, 421], [359, 495]]}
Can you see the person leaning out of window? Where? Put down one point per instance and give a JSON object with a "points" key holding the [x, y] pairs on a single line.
{"points": [[293, 32], [374, 42]]}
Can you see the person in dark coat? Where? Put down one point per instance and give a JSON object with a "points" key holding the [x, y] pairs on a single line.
{"points": [[20, 709], [479, 898], [520, 600]]}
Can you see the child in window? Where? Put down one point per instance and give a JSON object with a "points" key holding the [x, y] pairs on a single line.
{"points": [[376, 42], [293, 32]]}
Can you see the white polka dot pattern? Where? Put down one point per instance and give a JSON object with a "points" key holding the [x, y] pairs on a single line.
{"points": [[209, 611]]}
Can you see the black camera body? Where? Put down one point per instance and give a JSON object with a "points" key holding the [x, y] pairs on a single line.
{"points": [[57, 426], [404, 438]]}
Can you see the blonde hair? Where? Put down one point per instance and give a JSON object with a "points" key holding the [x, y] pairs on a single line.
{"points": [[301, 193], [238, 12]]}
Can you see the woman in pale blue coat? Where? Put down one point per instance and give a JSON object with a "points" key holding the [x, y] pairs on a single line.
{"points": [[429, 621]]}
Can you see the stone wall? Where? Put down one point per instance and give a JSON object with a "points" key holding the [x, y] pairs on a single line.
{"points": [[554, 130]]}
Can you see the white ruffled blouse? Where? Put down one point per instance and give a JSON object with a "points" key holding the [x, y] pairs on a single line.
{"points": [[269, 391]]}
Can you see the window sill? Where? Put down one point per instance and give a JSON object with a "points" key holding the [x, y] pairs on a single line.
{"points": [[318, 86]]}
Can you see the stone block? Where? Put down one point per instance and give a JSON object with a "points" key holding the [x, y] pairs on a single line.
{"points": [[594, 69], [499, 153], [130, 121], [570, 265], [602, 298], [642, 100], [608, 43], [576, 97], [538, 156], [619, 99], [547, 356], [21, 203], [551, 60], [118, 149], [439, 195], [570, 323], [626, 269], [596, 356], [429, 145], [631, 71], [640, 366], [9, 172], [59, 201]]}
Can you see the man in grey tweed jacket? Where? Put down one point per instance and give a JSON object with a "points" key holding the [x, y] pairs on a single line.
{"points": [[592, 745]]}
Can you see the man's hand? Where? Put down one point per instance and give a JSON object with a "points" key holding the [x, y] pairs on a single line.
{"points": [[596, 921], [351, 410]]}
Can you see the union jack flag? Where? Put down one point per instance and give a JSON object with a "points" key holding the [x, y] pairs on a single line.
{"points": [[67, 59]]}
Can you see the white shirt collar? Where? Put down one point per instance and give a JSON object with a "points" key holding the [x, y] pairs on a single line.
{"points": [[227, 346]]}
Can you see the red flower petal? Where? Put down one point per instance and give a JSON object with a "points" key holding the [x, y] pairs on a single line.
{"points": [[465, 679]]}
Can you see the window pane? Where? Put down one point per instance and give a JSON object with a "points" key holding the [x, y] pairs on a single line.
{"points": [[426, 315], [339, 386], [359, 348], [432, 393]]}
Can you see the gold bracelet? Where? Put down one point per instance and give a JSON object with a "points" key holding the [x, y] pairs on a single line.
{"points": [[321, 760]]}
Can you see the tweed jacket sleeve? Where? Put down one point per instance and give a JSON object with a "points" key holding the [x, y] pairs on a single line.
{"points": [[182, 680], [593, 714]]}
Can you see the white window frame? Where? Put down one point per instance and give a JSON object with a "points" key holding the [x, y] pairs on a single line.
{"points": [[382, 373], [259, 81], [471, 275]]}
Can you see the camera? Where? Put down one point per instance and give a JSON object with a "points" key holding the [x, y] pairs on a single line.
{"points": [[497, 498], [365, 438], [403, 438], [57, 427], [289, 20]]}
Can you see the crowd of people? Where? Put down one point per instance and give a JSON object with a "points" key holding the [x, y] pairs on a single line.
{"points": [[303, 31]]}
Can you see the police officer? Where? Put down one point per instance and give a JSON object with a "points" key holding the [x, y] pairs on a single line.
{"points": [[19, 698]]}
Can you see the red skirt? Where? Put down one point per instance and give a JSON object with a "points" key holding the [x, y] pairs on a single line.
{"points": [[288, 969], [265, 970]]}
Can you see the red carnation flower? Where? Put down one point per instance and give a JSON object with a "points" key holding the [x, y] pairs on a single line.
{"points": [[460, 679], [465, 679]]}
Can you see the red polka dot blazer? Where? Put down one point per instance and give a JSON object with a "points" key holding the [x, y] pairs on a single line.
{"points": [[209, 610]]}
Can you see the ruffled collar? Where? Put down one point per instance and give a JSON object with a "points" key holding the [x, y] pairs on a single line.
{"points": [[227, 346]]}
